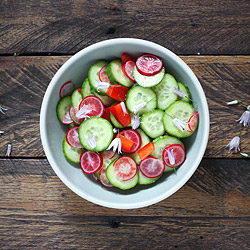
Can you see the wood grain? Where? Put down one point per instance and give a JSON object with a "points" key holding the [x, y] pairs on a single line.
{"points": [[65, 27], [23, 81], [210, 212]]}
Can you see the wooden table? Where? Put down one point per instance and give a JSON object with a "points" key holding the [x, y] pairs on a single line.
{"points": [[37, 211]]}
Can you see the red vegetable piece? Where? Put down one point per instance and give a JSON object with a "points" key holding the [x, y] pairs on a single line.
{"points": [[108, 154], [125, 168], [178, 152], [151, 167], [90, 162], [72, 137], [133, 136], [126, 57], [103, 178], [120, 116], [192, 122], [95, 105], [148, 64], [145, 151], [79, 90], [66, 89], [128, 69], [72, 113], [117, 92], [106, 114], [103, 75]]}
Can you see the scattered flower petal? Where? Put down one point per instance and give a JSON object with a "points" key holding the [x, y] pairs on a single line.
{"points": [[124, 109], [136, 122], [139, 106], [171, 157], [115, 130], [233, 102], [245, 117], [234, 143], [8, 150], [102, 85], [82, 113], [67, 119], [116, 144], [178, 92], [179, 124], [91, 141], [135, 84], [2, 110], [244, 154]]}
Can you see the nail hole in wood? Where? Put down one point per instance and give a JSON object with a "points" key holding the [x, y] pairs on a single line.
{"points": [[115, 223], [110, 31]]}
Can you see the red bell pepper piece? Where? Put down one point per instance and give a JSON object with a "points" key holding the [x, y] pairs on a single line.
{"points": [[117, 92], [106, 114], [120, 116], [145, 151]]}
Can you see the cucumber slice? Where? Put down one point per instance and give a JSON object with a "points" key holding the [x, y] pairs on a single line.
{"points": [[100, 129], [138, 95], [115, 122], [148, 81], [143, 180], [152, 124], [63, 107], [107, 101], [161, 143], [76, 98], [72, 154], [181, 110], [144, 140], [86, 90], [184, 89], [112, 177], [93, 76], [163, 90], [116, 75]]}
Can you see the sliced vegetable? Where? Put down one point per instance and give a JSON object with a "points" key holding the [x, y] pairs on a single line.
{"points": [[193, 122], [122, 117], [126, 57], [127, 144], [103, 178], [133, 136], [117, 92], [63, 108], [72, 154], [106, 114], [103, 74], [145, 151], [72, 138], [90, 162], [128, 69], [66, 89], [67, 119], [152, 167], [72, 112], [94, 105]]}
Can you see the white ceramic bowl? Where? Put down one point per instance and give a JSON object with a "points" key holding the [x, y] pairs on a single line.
{"points": [[52, 132]]}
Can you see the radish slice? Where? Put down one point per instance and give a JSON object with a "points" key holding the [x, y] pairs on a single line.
{"points": [[103, 75], [128, 69], [148, 64], [152, 167], [126, 57], [95, 105], [108, 154], [72, 112], [72, 138], [192, 122], [133, 136], [67, 119], [66, 89], [90, 162], [178, 153], [103, 178], [125, 168]]}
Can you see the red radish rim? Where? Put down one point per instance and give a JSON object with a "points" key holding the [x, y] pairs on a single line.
{"points": [[67, 134], [124, 66], [84, 170], [140, 141], [174, 145], [113, 153], [100, 72], [126, 57], [67, 123], [104, 184], [95, 97], [74, 120], [60, 91], [148, 73], [189, 126], [151, 157], [133, 161]]}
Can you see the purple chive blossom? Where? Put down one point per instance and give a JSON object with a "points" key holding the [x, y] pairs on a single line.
{"points": [[82, 113], [116, 144], [102, 85], [91, 141], [8, 150], [233, 102], [234, 143], [245, 117], [124, 108], [135, 84], [115, 130], [136, 122], [178, 92], [2, 110], [179, 124], [139, 106], [171, 157], [67, 119]]}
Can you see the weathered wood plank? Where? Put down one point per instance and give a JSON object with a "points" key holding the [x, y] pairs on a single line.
{"points": [[219, 188], [185, 26], [23, 81]]}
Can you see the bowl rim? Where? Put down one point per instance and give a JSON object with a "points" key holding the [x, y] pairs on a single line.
{"points": [[52, 161]]}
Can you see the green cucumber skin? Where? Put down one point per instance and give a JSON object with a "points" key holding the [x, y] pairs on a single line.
{"points": [[148, 81], [86, 90], [183, 88], [146, 95], [121, 78], [93, 76], [76, 98], [104, 140], [170, 128], [63, 107], [124, 185], [68, 152], [72, 125], [107, 101], [143, 180], [149, 130]]}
